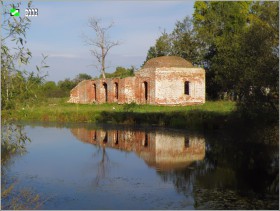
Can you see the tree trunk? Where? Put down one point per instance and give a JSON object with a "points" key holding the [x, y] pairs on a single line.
{"points": [[103, 58]]}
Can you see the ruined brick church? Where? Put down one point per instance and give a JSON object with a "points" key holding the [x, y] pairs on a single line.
{"points": [[166, 80]]}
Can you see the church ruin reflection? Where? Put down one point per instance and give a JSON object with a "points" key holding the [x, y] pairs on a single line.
{"points": [[162, 150]]}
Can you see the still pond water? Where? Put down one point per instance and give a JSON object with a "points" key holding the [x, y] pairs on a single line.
{"points": [[109, 167]]}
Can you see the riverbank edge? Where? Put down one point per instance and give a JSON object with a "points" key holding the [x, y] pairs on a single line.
{"points": [[210, 115]]}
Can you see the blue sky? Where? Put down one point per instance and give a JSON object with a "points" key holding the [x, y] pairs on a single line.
{"points": [[57, 31]]}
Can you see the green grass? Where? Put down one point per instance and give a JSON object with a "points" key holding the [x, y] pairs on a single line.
{"points": [[58, 110]]}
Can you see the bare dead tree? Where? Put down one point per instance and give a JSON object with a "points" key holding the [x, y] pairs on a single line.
{"points": [[101, 44]]}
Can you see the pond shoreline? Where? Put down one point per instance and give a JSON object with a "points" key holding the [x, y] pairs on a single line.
{"points": [[209, 117], [212, 114]]}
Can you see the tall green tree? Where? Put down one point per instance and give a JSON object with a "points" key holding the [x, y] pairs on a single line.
{"points": [[17, 84], [82, 76], [121, 72], [220, 26], [180, 42], [162, 47], [259, 60], [184, 42], [241, 51]]}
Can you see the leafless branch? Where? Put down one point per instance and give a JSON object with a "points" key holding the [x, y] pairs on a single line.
{"points": [[100, 44]]}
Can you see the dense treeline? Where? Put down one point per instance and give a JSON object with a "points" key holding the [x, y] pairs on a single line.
{"points": [[62, 88], [238, 45], [236, 42]]}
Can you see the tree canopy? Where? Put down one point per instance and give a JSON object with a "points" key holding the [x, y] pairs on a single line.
{"points": [[238, 45]]}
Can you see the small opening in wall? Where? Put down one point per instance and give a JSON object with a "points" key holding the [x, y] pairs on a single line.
{"points": [[145, 141], [117, 138], [105, 140], [187, 87], [116, 90], [94, 136], [106, 92], [146, 90], [187, 142], [94, 91]]}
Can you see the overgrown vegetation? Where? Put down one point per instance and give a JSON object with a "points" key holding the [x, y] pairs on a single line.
{"points": [[121, 72], [18, 86], [238, 45], [236, 42], [58, 110]]}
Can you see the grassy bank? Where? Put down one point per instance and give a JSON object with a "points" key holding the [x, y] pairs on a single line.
{"points": [[209, 115]]}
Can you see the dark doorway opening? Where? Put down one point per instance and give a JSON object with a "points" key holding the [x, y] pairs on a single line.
{"points": [[94, 91], [116, 90], [106, 92], [145, 141], [94, 136], [145, 90], [187, 142], [105, 140], [187, 88], [117, 138]]}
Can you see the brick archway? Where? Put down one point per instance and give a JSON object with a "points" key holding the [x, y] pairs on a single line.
{"points": [[105, 92], [145, 92], [116, 89]]}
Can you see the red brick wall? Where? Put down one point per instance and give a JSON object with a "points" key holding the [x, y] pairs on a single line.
{"points": [[164, 86], [159, 149]]}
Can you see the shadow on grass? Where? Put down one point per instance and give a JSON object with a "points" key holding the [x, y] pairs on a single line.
{"points": [[195, 119]]}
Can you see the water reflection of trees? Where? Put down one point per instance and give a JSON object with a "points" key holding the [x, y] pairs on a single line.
{"points": [[103, 166], [235, 174], [229, 170], [13, 140]]}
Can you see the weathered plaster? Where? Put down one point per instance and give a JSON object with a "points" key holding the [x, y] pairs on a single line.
{"points": [[162, 85]]}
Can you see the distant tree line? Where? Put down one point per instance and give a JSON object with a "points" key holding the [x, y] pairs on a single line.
{"points": [[62, 88], [238, 45]]}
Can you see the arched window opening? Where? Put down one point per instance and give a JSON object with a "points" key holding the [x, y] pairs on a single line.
{"points": [[94, 136], [187, 142], [145, 91], [145, 141], [105, 140], [117, 138], [187, 88], [116, 91], [106, 92], [94, 91]]}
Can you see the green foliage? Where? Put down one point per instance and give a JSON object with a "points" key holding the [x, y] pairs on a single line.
{"points": [[62, 89], [82, 76], [180, 42], [13, 140], [259, 84], [67, 84], [129, 107], [121, 72], [57, 110], [17, 86], [161, 48], [238, 45], [184, 41]]}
